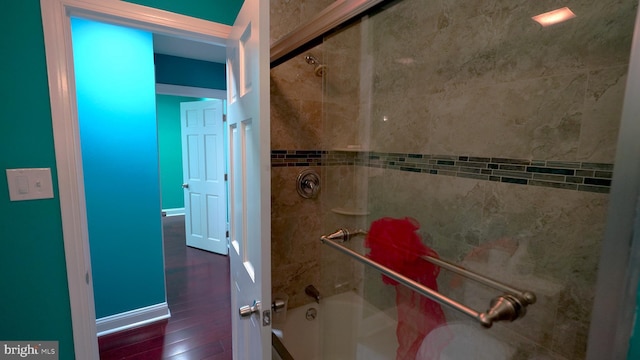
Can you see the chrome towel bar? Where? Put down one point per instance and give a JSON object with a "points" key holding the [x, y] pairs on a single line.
{"points": [[527, 296], [510, 306]]}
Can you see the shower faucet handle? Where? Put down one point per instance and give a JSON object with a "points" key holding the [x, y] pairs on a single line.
{"points": [[308, 184]]}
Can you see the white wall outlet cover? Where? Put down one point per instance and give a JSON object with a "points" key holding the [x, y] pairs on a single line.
{"points": [[29, 184]]}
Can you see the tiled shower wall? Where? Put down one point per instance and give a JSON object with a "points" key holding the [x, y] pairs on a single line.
{"points": [[497, 135], [296, 124]]}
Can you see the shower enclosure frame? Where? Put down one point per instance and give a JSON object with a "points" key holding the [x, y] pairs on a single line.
{"points": [[335, 15], [619, 263], [619, 266]]}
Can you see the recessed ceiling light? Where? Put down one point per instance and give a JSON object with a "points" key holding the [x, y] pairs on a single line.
{"points": [[554, 17]]}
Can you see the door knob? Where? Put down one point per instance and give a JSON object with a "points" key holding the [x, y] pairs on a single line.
{"points": [[248, 310], [185, 186]]}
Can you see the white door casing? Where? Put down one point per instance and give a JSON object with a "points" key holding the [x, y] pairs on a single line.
{"points": [[250, 179], [203, 175]]}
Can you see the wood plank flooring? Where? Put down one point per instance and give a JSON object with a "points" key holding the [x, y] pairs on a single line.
{"points": [[199, 301]]}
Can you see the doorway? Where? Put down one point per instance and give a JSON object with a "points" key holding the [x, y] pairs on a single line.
{"points": [[119, 135], [56, 15], [198, 284]]}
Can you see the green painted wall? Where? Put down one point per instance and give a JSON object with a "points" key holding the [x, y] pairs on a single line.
{"points": [[220, 11], [170, 148], [35, 301]]}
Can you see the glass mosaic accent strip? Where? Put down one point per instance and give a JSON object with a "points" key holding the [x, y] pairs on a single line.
{"points": [[280, 158], [567, 175]]}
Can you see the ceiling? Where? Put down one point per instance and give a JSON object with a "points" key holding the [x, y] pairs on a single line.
{"points": [[189, 49]]}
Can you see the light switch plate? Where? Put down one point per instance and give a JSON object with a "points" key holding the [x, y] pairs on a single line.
{"points": [[29, 184]]}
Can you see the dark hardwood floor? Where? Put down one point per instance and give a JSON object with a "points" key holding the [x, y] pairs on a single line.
{"points": [[199, 301]]}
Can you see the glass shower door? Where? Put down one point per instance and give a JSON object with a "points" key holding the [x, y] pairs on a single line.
{"points": [[494, 134]]}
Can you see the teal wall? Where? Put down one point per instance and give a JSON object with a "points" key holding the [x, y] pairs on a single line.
{"points": [[174, 70], [220, 11], [35, 299], [170, 149], [115, 86]]}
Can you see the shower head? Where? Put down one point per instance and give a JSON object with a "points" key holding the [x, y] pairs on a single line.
{"points": [[320, 68], [311, 60]]}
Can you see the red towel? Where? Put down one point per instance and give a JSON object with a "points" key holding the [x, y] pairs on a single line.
{"points": [[395, 244]]}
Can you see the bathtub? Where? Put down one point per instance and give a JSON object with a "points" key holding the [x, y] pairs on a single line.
{"points": [[345, 326]]}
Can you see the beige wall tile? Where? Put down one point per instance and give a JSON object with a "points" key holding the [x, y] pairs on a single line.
{"points": [[603, 110]]}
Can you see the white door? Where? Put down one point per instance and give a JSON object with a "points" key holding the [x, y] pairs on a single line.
{"points": [[250, 180], [203, 175]]}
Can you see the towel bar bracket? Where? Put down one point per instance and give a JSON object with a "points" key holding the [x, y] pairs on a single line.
{"points": [[507, 307]]}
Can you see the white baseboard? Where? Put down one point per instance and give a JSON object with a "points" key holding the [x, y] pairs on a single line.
{"points": [[133, 318], [173, 212]]}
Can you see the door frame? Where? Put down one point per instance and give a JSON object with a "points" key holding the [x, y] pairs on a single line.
{"points": [[56, 15]]}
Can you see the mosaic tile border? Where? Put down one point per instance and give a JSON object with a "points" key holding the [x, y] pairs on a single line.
{"points": [[281, 158], [567, 175]]}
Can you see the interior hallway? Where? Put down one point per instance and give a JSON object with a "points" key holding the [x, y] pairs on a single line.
{"points": [[200, 305]]}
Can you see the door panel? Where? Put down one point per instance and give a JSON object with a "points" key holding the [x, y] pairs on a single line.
{"points": [[194, 222], [193, 155], [249, 181], [203, 154]]}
